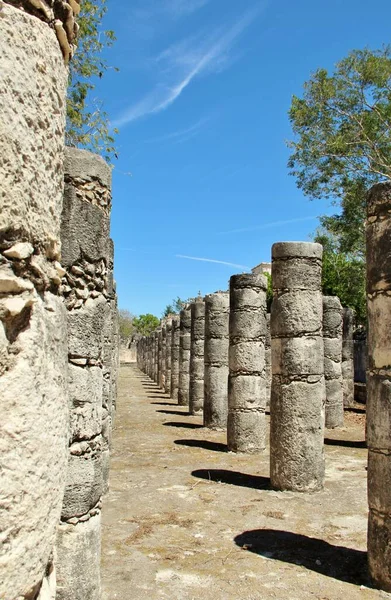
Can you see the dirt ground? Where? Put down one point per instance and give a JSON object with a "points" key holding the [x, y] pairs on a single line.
{"points": [[185, 519]]}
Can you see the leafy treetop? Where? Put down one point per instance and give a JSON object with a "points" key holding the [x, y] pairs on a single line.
{"points": [[343, 143], [87, 123]]}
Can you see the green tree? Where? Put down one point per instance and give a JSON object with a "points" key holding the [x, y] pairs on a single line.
{"points": [[176, 306], [145, 324], [342, 140], [87, 122], [343, 275], [126, 323]]}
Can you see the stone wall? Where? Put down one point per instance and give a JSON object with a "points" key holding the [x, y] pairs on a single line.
{"points": [[33, 337]]}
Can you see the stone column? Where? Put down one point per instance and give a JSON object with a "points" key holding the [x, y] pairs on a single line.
{"points": [[167, 380], [33, 335], [247, 385], [347, 357], [184, 356], [162, 357], [175, 358], [379, 384], [197, 340], [87, 254], [157, 345], [332, 341], [216, 360], [298, 387], [268, 361]]}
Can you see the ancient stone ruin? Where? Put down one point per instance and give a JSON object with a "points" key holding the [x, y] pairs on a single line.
{"points": [[223, 356]]}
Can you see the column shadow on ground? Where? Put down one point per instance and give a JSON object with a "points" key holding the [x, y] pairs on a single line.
{"points": [[355, 409], [338, 562], [345, 443], [173, 412], [184, 425], [256, 482], [205, 444], [164, 403]]}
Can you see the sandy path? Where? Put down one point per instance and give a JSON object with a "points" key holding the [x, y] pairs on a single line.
{"points": [[185, 520]]}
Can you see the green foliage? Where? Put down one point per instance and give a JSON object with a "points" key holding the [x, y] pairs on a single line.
{"points": [[269, 290], [343, 275], [87, 123], [176, 306], [145, 324], [126, 325], [343, 142]]}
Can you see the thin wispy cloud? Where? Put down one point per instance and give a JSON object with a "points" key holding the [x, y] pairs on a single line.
{"points": [[181, 134], [212, 260], [180, 63], [269, 225], [183, 7]]}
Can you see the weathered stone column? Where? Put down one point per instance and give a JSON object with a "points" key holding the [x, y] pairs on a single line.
{"points": [[298, 387], [216, 360], [347, 357], [332, 341], [87, 254], [162, 356], [175, 358], [33, 335], [268, 361], [197, 340], [157, 345], [379, 384], [246, 385], [184, 356], [167, 380]]}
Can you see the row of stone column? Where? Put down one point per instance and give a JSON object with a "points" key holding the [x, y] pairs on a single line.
{"points": [[227, 345], [312, 369]]}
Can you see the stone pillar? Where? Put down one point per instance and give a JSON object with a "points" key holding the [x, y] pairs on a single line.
{"points": [[247, 385], [162, 357], [33, 336], [197, 340], [332, 341], [347, 357], [216, 360], [87, 254], [167, 380], [298, 387], [379, 384], [157, 345], [268, 361], [175, 358], [184, 356]]}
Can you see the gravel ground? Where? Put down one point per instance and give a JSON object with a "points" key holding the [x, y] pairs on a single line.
{"points": [[185, 519]]}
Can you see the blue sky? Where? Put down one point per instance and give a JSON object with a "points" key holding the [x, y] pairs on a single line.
{"points": [[201, 101]]}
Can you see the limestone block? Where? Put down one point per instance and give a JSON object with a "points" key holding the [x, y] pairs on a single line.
{"points": [[32, 91], [299, 355], [246, 431], [33, 446], [79, 545], [85, 401], [85, 230], [297, 312], [84, 484], [249, 392], [85, 326]]}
